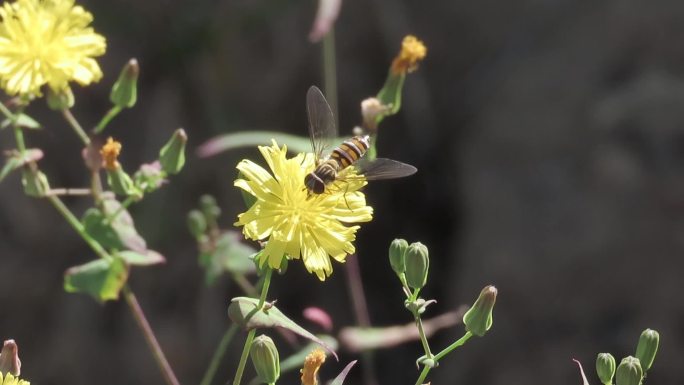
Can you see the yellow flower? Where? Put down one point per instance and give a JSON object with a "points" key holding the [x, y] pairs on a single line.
{"points": [[294, 222], [9, 379], [312, 363], [47, 42], [110, 152], [412, 52]]}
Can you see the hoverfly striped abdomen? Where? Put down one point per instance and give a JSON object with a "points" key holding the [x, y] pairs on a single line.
{"points": [[350, 151]]}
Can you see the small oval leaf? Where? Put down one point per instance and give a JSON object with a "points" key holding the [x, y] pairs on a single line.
{"points": [[146, 258], [101, 279]]}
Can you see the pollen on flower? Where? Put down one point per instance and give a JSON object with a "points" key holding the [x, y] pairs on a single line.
{"points": [[47, 42], [412, 52], [312, 363], [110, 153], [294, 223]]}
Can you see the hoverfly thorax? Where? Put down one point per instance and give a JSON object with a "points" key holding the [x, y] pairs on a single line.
{"points": [[331, 160]]}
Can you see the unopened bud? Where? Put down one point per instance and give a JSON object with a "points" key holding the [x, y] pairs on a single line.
{"points": [[417, 264], [629, 372], [172, 155], [265, 358], [35, 183], [9, 359], [125, 91], [197, 223], [149, 177], [478, 319], [647, 348], [209, 207], [605, 367], [60, 100], [121, 183], [397, 255]]}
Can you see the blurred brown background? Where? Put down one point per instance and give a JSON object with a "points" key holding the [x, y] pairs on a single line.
{"points": [[549, 138]]}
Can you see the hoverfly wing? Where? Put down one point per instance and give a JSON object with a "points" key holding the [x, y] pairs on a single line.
{"points": [[383, 168], [322, 129]]}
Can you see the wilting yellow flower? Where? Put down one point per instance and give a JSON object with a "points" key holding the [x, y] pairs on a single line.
{"points": [[412, 52], [9, 379], [110, 153], [294, 222], [47, 42], [312, 363]]}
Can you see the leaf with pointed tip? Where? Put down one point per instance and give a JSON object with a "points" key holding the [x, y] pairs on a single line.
{"points": [[117, 232], [102, 279], [243, 311], [16, 160], [146, 258], [339, 380], [231, 255]]}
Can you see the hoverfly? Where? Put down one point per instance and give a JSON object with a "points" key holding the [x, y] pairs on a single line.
{"points": [[330, 161]]}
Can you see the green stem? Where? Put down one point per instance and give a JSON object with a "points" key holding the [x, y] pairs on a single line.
{"points": [[8, 114], [423, 374], [114, 111], [423, 337], [19, 138], [76, 126], [453, 346], [76, 224], [152, 342], [330, 71], [96, 186], [440, 355], [218, 355], [250, 336]]}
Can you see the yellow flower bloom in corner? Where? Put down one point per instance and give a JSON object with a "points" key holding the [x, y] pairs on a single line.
{"points": [[412, 52], [9, 379], [297, 224], [47, 42], [312, 363]]}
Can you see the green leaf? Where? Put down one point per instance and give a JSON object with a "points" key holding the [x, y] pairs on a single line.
{"points": [[339, 380], [16, 160], [26, 121], [101, 279], [114, 228], [231, 255], [240, 139], [243, 311], [146, 258]]}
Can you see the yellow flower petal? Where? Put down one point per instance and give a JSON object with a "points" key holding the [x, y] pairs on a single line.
{"points": [[295, 223], [47, 42]]}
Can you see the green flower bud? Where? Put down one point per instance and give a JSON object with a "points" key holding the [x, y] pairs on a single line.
{"points": [[605, 367], [197, 223], [397, 255], [121, 183], [265, 358], [647, 348], [629, 372], [60, 100], [125, 91], [478, 319], [209, 207], [149, 177], [35, 183], [172, 155], [417, 264]]}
